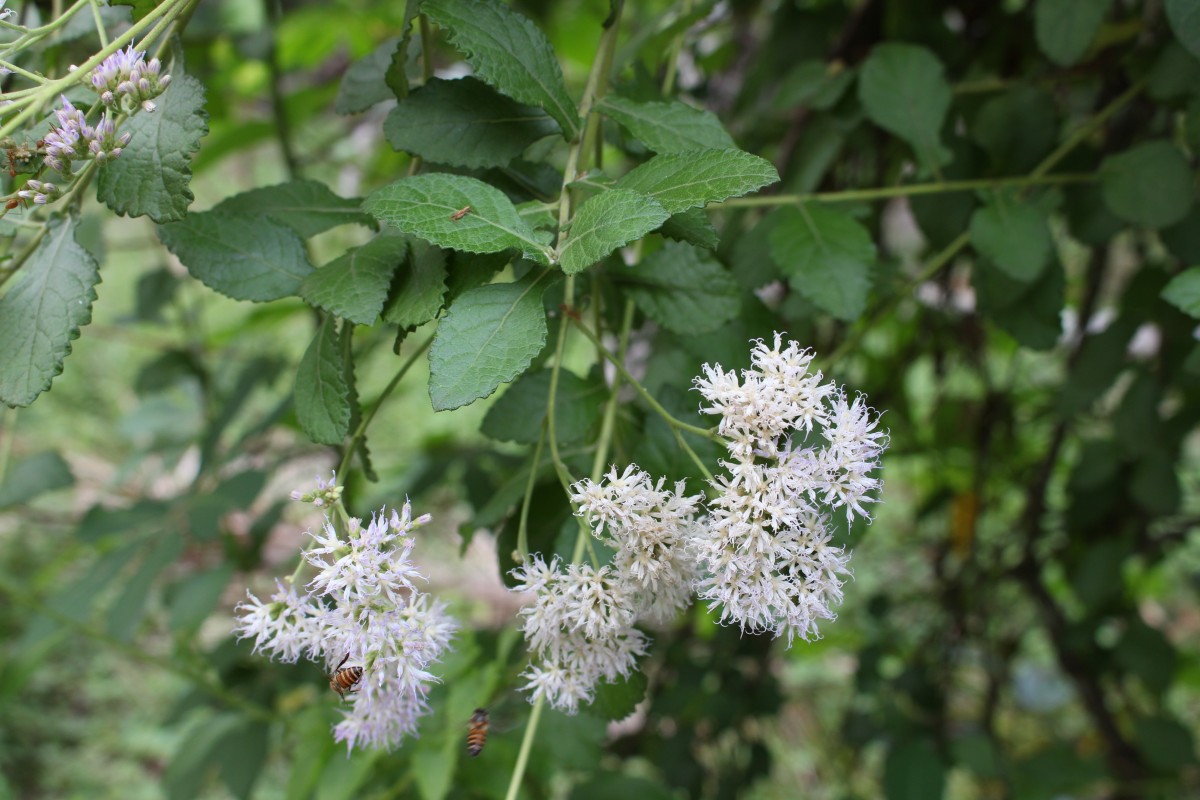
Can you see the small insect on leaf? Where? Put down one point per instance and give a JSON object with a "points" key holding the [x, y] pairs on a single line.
{"points": [[462, 212]]}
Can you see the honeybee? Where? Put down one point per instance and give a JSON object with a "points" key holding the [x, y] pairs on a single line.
{"points": [[477, 735], [462, 212], [343, 680]]}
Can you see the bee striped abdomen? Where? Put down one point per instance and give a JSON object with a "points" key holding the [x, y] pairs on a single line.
{"points": [[343, 680], [477, 735]]}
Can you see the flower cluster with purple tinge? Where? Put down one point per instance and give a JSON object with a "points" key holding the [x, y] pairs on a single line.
{"points": [[125, 83], [363, 608], [759, 550]]}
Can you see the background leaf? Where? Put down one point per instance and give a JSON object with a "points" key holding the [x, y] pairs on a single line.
{"points": [[683, 288], [680, 181], [902, 89], [419, 288], [50, 300], [322, 395], [1183, 292], [605, 222], [1014, 235], [307, 207], [365, 82], [1065, 28], [243, 258], [424, 205], [509, 52], [355, 285], [466, 123], [671, 127], [489, 336], [517, 416], [1184, 16], [153, 174], [1149, 184], [827, 256], [34, 475]]}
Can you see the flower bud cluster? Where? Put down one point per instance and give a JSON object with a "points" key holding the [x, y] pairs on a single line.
{"points": [[363, 608], [581, 622], [799, 450], [74, 138], [127, 79]]}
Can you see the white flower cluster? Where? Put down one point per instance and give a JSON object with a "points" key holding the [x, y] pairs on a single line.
{"points": [[799, 449], [581, 622], [363, 608]]}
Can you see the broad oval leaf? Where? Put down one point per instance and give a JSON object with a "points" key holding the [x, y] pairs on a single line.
{"points": [[827, 255], [1149, 185], [365, 83], [683, 288], [518, 414], [355, 285], [509, 52], [1031, 312], [420, 287], [671, 127], [1015, 235], [489, 336], [322, 396], [245, 258], [1065, 28], [680, 181], [1184, 16], [1183, 292], [429, 206], [604, 223], [47, 303], [153, 174], [307, 207], [903, 90], [33, 476], [465, 123]]}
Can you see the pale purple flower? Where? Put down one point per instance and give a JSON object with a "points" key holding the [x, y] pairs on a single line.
{"points": [[127, 74]]}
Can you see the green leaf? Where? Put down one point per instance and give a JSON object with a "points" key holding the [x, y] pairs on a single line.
{"points": [[617, 700], [465, 123], [153, 174], [184, 776], [433, 766], [903, 90], [509, 52], [49, 300], [193, 598], [692, 226], [355, 285], [913, 770], [1148, 185], [1183, 238], [130, 606], [1183, 292], [680, 181], [322, 396], [605, 785], [1030, 312], [1017, 129], [1184, 16], [827, 256], [605, 222], [671, 127], [255, 259], [683, 288], [425, 206], [241, 755], [1167, 745], [489, 336], [813, 84], [1014, 235], [34, 475], [420, 288], [1065, 28], [307, 207], [518, 415], [365, 82]]}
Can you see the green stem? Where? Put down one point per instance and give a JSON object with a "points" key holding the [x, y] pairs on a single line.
{"points": [[673, 54], [608, 422], [514, 785], [8, 433], [100, 33], [910, 190], [1088, 128], [649, 398], [687, 448], [361, 430]]}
